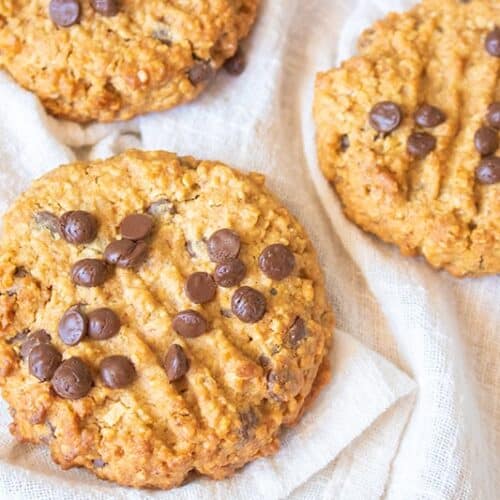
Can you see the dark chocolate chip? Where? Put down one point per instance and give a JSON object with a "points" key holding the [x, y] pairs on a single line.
{"points": [[136, 227], [296, 333], [200, 288], [385, 116], [34, 339], [277, 261], [486, 140], [126, 253], [428, 116], [236, 65], [248, 304], [161, 207], [190, 324], [493, 115], [47, 220], [492, 42], [20, 272], [103, 324], [176, 363], [64, 13], [223, 245], [201, 71], [344, 142], [105, 7], [78, 227], [89, 272], [72, 380], [420, 144], [117, 371], [73, 326], [488, 171], [43, 361], [230, 273]]}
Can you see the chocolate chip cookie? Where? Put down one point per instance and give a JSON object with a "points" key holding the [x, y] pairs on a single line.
{"points": [[407, 133], [158, 315], [111, 60]]}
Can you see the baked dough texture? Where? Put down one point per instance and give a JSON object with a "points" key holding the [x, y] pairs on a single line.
{"points": [[429, 202], [244, 381], [109, 68]]}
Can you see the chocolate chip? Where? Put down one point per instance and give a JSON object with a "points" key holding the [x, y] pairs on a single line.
{"points": [[161, 207], [277, 261], [78, 227], [64, 13], [486, 140], [136, 227], [248, 304], [190, 324], [126, 253], [34, 339], [103, 324], [200, 72], [105, 7], [43, 361], [163, 35], [72, 380], [236, 65], [428, 116], [488, 171], [492, 42], [344, 142], [98, 463], [89, 272], [73, 326], [296, 333], [420, 144], [249, 420], [20, 272], [47, 220], [230, 273], [117, 371], [200, 288], [385, 116], [176, 363], [493, 115], [223, 245]]}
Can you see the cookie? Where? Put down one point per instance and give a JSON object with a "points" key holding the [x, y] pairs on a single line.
{"points": [[158, 315], [110, 60], [407, 133]]}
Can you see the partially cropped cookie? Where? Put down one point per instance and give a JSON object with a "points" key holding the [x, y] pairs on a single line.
{"points": [[408, 133], [158, 315], [113, 59]]}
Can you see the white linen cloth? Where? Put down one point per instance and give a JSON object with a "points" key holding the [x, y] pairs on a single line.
{"points": [[370, 434]]}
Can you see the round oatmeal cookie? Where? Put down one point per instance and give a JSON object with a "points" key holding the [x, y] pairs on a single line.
{"points": [[408, 133], [158, 315], [111, 60]]}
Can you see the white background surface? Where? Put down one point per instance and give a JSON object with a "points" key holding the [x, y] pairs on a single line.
{"points": [[442, 332]]}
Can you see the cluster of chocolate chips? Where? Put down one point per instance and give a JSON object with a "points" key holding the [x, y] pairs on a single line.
{"points": [[72, 378], [128, 252], [248, 304], [486, 142], [386, 116], [65, 13]]}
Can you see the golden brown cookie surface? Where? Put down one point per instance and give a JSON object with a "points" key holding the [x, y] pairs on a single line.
{"points": [[157, 315], [407, 133], [107, 60]]}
